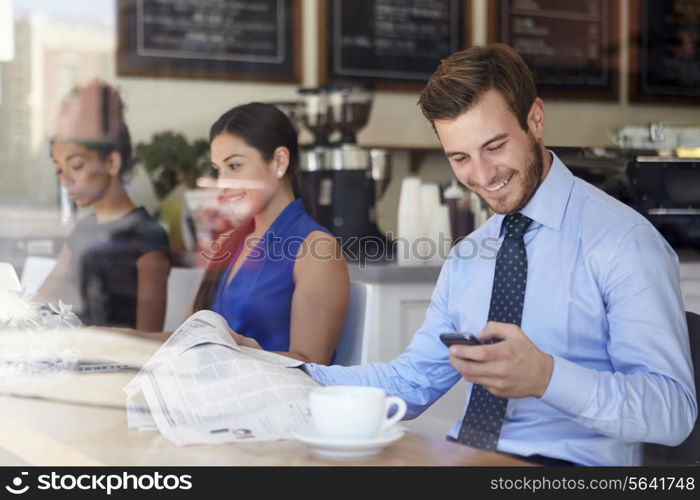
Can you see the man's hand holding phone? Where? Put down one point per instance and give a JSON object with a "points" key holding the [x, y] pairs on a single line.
{"points": [[502, 359]]}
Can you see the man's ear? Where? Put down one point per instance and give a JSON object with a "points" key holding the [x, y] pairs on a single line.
{"points": [[535, 118], [113, 162]]}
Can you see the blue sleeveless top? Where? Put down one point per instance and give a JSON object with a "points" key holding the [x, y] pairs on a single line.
{"points": [[257, 302]]}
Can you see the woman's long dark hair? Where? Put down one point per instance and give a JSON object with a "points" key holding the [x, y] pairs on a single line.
{"points": [[264, 128]]}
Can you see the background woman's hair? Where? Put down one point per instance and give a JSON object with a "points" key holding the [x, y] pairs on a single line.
{"points": [[231, 243], [462, 78], [264, 128], [110, 109]]}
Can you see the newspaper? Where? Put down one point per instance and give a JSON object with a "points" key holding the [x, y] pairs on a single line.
{"points": [[201, 387]]}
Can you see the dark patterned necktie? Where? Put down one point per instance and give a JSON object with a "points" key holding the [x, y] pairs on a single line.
{"points": [[482, 421]]}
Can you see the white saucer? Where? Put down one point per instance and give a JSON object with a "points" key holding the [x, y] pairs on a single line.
{"points": [[347, 448]]}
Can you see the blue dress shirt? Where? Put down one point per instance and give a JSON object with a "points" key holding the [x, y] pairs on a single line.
{"points": [[602, 297]]}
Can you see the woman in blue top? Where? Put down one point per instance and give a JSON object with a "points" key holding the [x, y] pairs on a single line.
{"points": [[279, 279]]}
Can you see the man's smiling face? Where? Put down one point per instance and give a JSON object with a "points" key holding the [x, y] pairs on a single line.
{"points": [[492, 155]]}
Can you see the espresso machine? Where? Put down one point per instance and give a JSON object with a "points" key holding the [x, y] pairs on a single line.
{"points": [[344, 179]]}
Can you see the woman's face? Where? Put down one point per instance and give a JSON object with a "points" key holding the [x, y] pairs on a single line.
{"points": [[255, 182], [85, 175]]}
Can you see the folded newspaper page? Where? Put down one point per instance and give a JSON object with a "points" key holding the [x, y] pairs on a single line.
{"points": [[201, 387]]}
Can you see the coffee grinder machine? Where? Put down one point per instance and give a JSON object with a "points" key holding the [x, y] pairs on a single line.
{"points": [[345, 180]]}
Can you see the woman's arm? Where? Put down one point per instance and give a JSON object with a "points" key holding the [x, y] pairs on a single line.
{"points": [[321, 293], [153, 270]]}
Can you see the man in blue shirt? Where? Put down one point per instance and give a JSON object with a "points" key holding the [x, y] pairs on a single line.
{"points": [[599, 361]]}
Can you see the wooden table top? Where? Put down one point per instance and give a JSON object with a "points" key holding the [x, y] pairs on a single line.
{"points": [[53, 426], [51, 433]]}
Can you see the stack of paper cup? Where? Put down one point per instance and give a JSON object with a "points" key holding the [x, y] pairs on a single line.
{"points": [[438, 236], [430, 200], [423, 225], [409, 221], [430, 203]]}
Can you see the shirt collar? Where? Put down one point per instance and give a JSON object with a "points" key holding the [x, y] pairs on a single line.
{"points": [[548, 204]]}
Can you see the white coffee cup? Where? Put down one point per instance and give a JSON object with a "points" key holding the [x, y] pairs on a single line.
{"points": [[353, 412]]}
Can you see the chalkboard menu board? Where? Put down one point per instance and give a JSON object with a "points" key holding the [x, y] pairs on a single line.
{"points": [[391, 44], [212, 39], [570, 46], [665, 51]]}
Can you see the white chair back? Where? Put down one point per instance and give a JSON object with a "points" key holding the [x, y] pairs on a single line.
{"points": [[352, 347], [183, 284], [35, 271]]}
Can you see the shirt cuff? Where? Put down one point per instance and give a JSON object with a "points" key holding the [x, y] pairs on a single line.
{"points": [[570, 388], [314, 371]]}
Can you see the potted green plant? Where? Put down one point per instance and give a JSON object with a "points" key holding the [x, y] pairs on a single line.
{"points": [[173, 165], [170, 160]]}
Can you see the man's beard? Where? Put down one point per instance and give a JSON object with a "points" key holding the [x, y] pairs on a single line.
{"points": [[530, 178]]}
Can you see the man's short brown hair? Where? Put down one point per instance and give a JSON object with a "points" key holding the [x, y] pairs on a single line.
{"points": [[462, 78]]}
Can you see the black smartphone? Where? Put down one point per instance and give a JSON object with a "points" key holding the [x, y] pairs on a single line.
{"points": [[462, 338]]}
